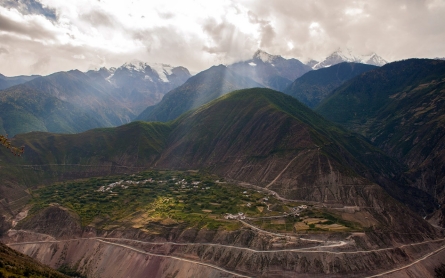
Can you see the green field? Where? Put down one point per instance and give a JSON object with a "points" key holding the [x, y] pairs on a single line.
{"points": [[169, 198]]}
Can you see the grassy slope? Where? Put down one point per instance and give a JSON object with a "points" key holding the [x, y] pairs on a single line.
{"points": [[236, 136], [241, 108], [199, 89], [63, 102], [314, 86], [239, 125], [365, 96], [400, 108]]}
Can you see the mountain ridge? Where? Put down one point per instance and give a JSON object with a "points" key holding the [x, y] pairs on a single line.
{"points": [[346, 55], [271, 71], [73, 101], [199, 89], [399, 107], [314, 86]]}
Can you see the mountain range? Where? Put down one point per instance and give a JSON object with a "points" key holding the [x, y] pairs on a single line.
{"points": [[400, 107], [196, 91], [73, 101], [234, 138], [6, 82], [346, 55], [271, 71], [140, 84], [315, 86], [368, 159]]}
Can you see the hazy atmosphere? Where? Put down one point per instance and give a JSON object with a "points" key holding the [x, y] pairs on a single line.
{"points": [[197, 139], [44, 36]]}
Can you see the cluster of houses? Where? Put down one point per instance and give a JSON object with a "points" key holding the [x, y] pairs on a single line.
{"points": [[183, 182], [296, 211], [238, 216], [123, 184]]}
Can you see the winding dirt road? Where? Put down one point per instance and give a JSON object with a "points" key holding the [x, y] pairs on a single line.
{"points": [[302, 250]]}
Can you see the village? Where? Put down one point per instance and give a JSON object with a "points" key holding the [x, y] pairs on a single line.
{"points": [[187, 185], [125, 184]]}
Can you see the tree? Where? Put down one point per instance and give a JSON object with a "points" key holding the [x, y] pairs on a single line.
{"points": [[4, 141]]}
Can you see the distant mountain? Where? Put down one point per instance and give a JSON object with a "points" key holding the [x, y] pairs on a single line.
{"points": [[140, 84], [314, 86], [73, 101], [311, 63], [6, 82], [400, 107], [199, 89], [346, 55], [255, 135], [65, 102], [271, 71]]}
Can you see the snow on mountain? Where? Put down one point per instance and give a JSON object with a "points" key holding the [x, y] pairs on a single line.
{"points": [[346, 55], [162, 70], [311, 63], [271, 71], [265, 57], [373, 59]]}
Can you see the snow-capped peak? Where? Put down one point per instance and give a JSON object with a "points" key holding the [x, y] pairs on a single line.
{"points": [[264, 56], [162, 70], [346, 55], [135, 65], [373, 59]]}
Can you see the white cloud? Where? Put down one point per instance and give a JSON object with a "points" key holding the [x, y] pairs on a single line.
{"points": [[198, 34], [353, 11], [80, 57]]}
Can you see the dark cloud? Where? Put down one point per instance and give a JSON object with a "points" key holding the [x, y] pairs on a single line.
{"points": [[30, 7], [30, 29]]}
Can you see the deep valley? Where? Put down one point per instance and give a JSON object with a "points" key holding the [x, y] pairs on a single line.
{"points": [[234, 181]]}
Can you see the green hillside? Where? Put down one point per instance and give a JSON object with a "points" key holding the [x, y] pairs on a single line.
{"points": [[400, 108], [66, 102], [265, 130], [198, 90], [314, 86], [257, 136]]}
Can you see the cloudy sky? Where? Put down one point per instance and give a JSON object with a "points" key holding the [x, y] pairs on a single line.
{"points": [[44, 36]]}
